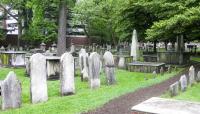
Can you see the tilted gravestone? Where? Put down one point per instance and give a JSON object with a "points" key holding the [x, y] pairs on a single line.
{"points": [[198, 77], [183, 83], [67, 86], [83, 61], [174, 89], [109, 67], [191, 75], [11, 92], [94, 70], [38, 78]]}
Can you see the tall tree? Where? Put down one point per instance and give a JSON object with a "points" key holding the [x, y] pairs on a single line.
{"points": [[62, 28]]}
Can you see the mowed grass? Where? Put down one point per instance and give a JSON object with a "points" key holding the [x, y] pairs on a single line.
{"points": [[85, 99], [195, 58]]}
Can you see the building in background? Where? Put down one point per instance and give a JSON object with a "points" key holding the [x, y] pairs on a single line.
{"points": [[75, 32]]}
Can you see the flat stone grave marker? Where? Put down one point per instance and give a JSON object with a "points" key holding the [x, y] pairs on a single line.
{"points": [[146, 67], [157, 105]]}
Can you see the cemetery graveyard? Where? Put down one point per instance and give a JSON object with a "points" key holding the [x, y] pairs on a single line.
{"points": [[83, 63]]}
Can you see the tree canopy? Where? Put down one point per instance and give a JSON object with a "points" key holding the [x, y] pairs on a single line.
{"points": [[110, 21]]}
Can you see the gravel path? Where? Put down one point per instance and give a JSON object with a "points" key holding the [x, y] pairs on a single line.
{"points": [[123, 104]]}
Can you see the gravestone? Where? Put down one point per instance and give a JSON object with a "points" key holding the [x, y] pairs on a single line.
{"points": [[83, 62], [174, 89], [183, 83], [43, 46], [191, 75], [67, 86], [162, 71], [121, 63], [154, 74], [169, 46], [94, 70], [38, 78], [169, 69], [198, 77], [11, 92], [2, 48], [72, 48], [109, 67]]}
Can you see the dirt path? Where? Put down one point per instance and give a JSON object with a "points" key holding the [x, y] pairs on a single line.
{"points": [[123, 104]]}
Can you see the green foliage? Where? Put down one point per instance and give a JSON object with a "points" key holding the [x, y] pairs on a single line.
{"points": [[101, 18], [84, 99], [163, 19]]}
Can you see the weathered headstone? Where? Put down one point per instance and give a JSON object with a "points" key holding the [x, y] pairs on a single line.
{"points": [[198, 77], [94, 70], [169, 69], [154, 74], [191, 75], [43, 46], [67, 86], [72, 48], [11, 92], [2, 48], [109, 67], [183, 83], [83, 61], [174, 89], [162, 71], [169, 46], [38, 78], [121, 63]]}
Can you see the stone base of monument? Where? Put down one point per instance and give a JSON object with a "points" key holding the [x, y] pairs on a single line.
{"points": [[166, 106], [53, 67], [146, 67]]}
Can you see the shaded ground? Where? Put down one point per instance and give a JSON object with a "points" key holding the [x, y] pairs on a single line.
{"points": [[123, 104]]}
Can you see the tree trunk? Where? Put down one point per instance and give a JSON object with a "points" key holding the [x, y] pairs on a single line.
{"points": [[62, 28], [19, 32], [154, 47]]}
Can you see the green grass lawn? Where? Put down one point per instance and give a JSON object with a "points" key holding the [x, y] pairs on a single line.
{"points": [[195, 58], [191, 94], [85, 98]]}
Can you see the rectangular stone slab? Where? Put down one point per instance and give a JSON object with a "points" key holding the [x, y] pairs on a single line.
{"points": [[146, 64], [146, 67], [157, 105]]}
